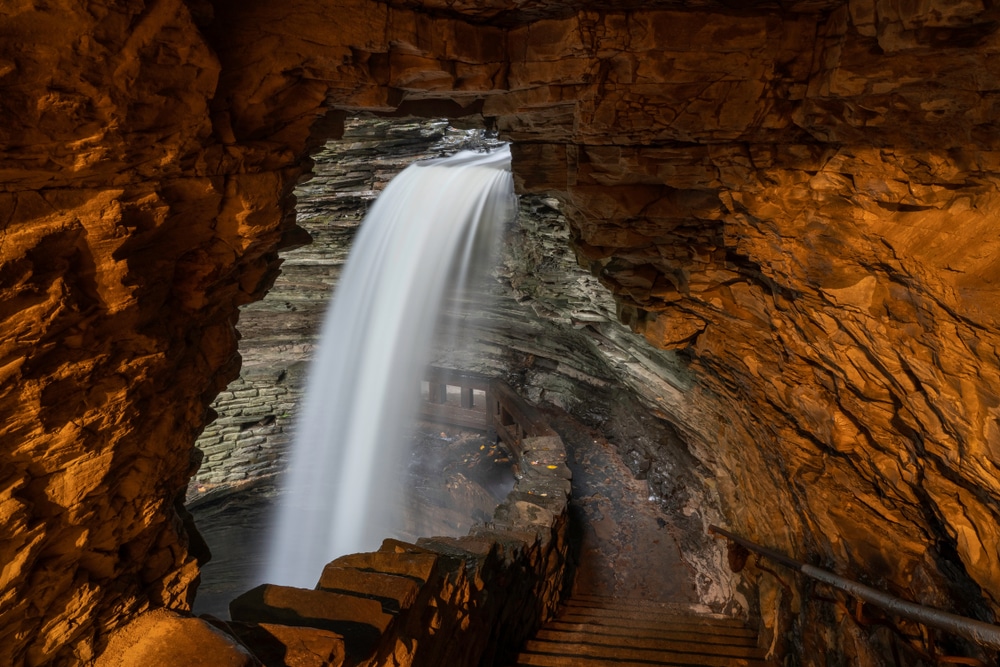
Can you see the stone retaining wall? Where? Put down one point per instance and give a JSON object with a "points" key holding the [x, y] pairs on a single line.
{"points": [[459, 602], [443, 601]]}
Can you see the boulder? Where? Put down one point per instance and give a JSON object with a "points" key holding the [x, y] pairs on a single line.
{"points": [[167, 639]]}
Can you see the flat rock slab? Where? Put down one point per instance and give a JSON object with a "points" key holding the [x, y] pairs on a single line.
{"points": [[419, 566], [166, 639], [359, 620], [392, 591], [545, 445], [522, 513], [287, 646], [474, 546]]}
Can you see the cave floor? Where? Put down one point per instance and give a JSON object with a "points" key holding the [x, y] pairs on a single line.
{"points": [[625, 546]]}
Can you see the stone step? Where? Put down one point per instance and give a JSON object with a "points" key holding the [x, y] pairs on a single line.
{"points": [[591, 646], [651, 614], [359, 620], [727, 636], [691, 623], [572, 660], [630, 603], [640, 605], [653, 639], [593, 631]]}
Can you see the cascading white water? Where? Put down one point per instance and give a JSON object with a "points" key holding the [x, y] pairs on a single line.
{"points": [[363, 387]]}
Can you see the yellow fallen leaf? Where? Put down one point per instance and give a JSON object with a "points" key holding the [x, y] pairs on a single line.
{"points": [[551, 467]]}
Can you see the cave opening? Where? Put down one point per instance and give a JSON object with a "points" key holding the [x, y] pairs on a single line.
{"points": [[548, 331], [246, 448]]}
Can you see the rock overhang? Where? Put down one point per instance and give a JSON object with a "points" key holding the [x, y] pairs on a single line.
{"points": [[797, 197]]}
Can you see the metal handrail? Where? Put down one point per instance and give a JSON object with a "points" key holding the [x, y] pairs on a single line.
{"points": [[985, 634]]}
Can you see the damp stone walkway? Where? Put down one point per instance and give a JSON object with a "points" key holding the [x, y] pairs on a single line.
{"points": [[634, 602]]}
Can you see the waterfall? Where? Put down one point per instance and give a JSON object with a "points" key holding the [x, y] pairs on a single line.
{"points": [[421, 236]]}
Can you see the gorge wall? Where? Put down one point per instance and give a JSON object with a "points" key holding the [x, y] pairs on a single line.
{"points": [[792, 200], [522, 324], [278, 335]]}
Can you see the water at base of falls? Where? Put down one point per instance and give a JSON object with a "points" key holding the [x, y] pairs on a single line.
{"points": [[432, 225]]}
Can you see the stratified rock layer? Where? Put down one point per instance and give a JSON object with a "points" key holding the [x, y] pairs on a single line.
{"points": [[278, 334], [542, 322], [794, 198]]}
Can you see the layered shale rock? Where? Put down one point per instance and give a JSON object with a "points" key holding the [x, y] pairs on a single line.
{"points": [[792, 199], [248, 439], [542, 322]]}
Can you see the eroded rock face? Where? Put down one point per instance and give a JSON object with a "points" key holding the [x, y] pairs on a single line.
{"points": [[795, 200], [278, 335]]}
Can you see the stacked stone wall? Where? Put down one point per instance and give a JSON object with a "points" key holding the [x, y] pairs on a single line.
{"points": [[442, 601], [248, 441], [463, 601]]}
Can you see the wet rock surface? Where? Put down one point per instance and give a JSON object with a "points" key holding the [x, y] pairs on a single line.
{"points": [[627, 546], [458, 478], [455, 481], [793, 200]]}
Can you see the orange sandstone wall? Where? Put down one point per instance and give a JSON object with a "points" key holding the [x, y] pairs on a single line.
{"points": [[796, 198]]}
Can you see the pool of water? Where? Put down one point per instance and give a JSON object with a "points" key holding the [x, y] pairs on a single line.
{"points": [[456, 479]]}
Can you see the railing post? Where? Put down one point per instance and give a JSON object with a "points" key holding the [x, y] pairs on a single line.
{"points": [[438, 392]]}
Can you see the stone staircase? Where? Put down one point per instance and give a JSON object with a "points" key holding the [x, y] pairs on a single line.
{"points": [[593, 631], [474, 600]]}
